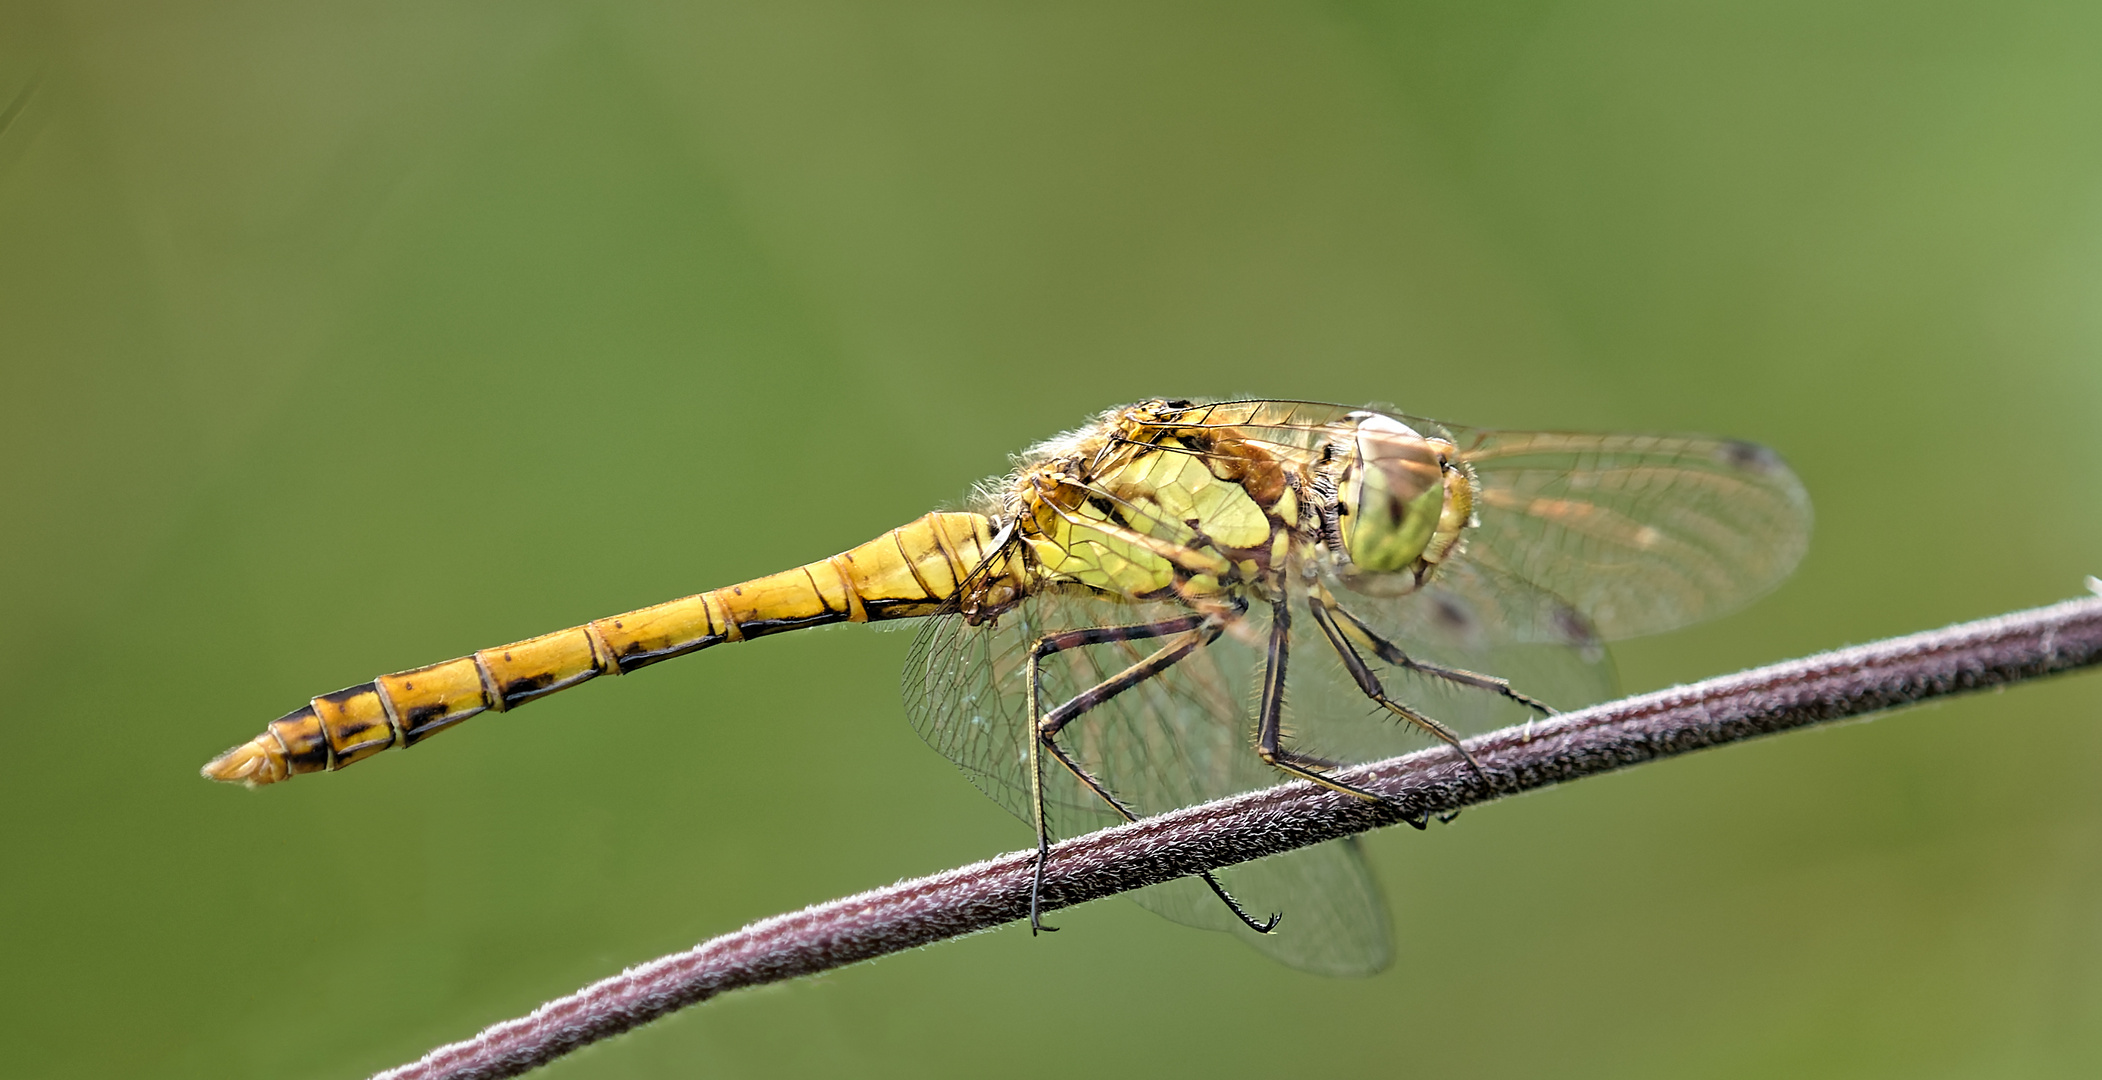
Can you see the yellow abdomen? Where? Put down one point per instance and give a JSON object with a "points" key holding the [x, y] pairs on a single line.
{"points": [[909, 571]]}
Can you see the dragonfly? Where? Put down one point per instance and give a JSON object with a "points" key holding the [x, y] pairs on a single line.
{"points": [[1187, 599]]}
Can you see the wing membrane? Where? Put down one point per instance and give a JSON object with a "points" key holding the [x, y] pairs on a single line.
{"points": [[1637, 533], [1334, 914], [1180, 738], [1173, 740]]}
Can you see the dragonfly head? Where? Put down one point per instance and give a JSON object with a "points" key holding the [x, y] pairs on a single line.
{"points": [[1400, 499]]}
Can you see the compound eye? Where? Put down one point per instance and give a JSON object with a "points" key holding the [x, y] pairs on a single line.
{"points": [[1398, 489]]}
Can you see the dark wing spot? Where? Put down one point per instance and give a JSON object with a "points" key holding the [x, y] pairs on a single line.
{"points": [[1748, 456], [1574, 629], [1450, 615]]}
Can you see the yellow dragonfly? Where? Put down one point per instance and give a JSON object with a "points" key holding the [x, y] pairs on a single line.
{"points": [[1111, 628]]}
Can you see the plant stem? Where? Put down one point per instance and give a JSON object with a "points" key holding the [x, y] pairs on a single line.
{"points": [[1800, 693]]}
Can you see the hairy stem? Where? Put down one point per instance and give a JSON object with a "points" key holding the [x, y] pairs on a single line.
{"points": [[1800, 693]]}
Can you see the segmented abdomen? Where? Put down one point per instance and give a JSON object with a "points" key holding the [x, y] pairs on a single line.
{"points": [[910, 571]]}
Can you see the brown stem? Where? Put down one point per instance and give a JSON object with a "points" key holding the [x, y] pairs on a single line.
{"points": [[1800, 693]]}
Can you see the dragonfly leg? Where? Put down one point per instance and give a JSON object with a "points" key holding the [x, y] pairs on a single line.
{"points": [[1195, 630], [1351, 626], [1369, 683], [1269, 734], [1262, 926], [1045, 646]]}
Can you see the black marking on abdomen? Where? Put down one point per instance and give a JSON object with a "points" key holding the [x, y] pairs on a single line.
{"points": [[424, 720], [343, 735], [636, 656], [315, 755], [519, 691], [903, 609], [416, 735], [343, 696], [347, 733], [820, 593], [526, 685], [763, 627]]}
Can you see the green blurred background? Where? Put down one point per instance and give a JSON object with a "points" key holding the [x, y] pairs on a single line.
{"points": [[340, 338]]}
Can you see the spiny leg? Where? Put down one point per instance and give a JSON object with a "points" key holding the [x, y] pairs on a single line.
{"points": [[1369, 684], [1210, 880], [1045, 646], [1198, 630], [1352, 626], [1269, 737]]}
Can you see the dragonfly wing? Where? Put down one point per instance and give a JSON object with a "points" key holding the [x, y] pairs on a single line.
{"points": [[1297, 432], [1182, 737], [956, 688], [1173, 740], [1329, 716], [1333, 914], [1638, 533]]}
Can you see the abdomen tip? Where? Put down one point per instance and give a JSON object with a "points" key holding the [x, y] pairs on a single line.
{"points": [[251, 764]]}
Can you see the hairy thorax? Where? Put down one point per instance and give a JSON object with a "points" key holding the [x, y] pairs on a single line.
{"points": [[1136, 507]]}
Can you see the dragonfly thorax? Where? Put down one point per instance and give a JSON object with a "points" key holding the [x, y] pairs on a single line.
{"points": [[1141, 505]]}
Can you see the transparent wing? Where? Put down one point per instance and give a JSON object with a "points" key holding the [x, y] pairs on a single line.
{"points": [[1293, 431], [1635, 533], [1180, 738], [1333, 914], [1171, 741], [1476, 620]]}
